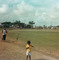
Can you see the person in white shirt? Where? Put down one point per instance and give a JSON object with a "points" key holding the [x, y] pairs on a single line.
{"points": [[4, 32]]}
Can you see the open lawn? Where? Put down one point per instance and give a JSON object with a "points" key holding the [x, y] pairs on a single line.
{"points": [[45, 41]]}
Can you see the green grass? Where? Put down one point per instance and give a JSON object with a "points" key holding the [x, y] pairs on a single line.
{"points": [[42, 39]]}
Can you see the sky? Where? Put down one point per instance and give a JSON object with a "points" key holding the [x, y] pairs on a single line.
{"points": [[42, 12]]}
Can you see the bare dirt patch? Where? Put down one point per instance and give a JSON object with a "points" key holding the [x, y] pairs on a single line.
{"points": [[15, 51]]}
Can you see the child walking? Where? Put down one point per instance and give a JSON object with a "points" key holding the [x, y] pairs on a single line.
{"points": [[28, 50]]}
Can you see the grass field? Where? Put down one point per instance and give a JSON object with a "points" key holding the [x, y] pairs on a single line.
{"points": [[45, 41]]}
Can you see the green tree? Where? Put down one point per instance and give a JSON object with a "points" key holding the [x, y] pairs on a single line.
{"points": [[17, 22], [31, 23], [6, 24]]}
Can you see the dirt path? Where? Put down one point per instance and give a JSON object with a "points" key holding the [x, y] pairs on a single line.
{"points": [[40, 56], [16, 51]]}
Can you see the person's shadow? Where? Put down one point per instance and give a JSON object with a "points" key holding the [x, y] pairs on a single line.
{"points": [[39, 59]]}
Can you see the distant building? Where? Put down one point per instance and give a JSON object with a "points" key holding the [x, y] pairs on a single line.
{"points": [[57, 27], [52, 27]]}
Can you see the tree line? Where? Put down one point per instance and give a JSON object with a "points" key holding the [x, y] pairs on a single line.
{"points": [[18, 24]]}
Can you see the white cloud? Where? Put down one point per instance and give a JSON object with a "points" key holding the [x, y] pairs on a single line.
{"points": [[37, 13], [42, 8], [23, 7], [44, 13], [52, 16], [3, 8], [57, 7], [10, 1], [13, 1]]}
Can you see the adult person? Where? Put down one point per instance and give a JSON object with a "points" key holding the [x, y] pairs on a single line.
{"points": [[4, 32]]}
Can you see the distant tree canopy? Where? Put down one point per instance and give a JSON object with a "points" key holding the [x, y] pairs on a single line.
{"points": [[18, 24], [40, 27], [44, 26], [28, 26], [31, 23], [6, 24]]}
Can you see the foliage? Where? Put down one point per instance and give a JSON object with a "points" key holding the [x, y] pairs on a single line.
{"points": [[18, 24], [6, 24]]}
